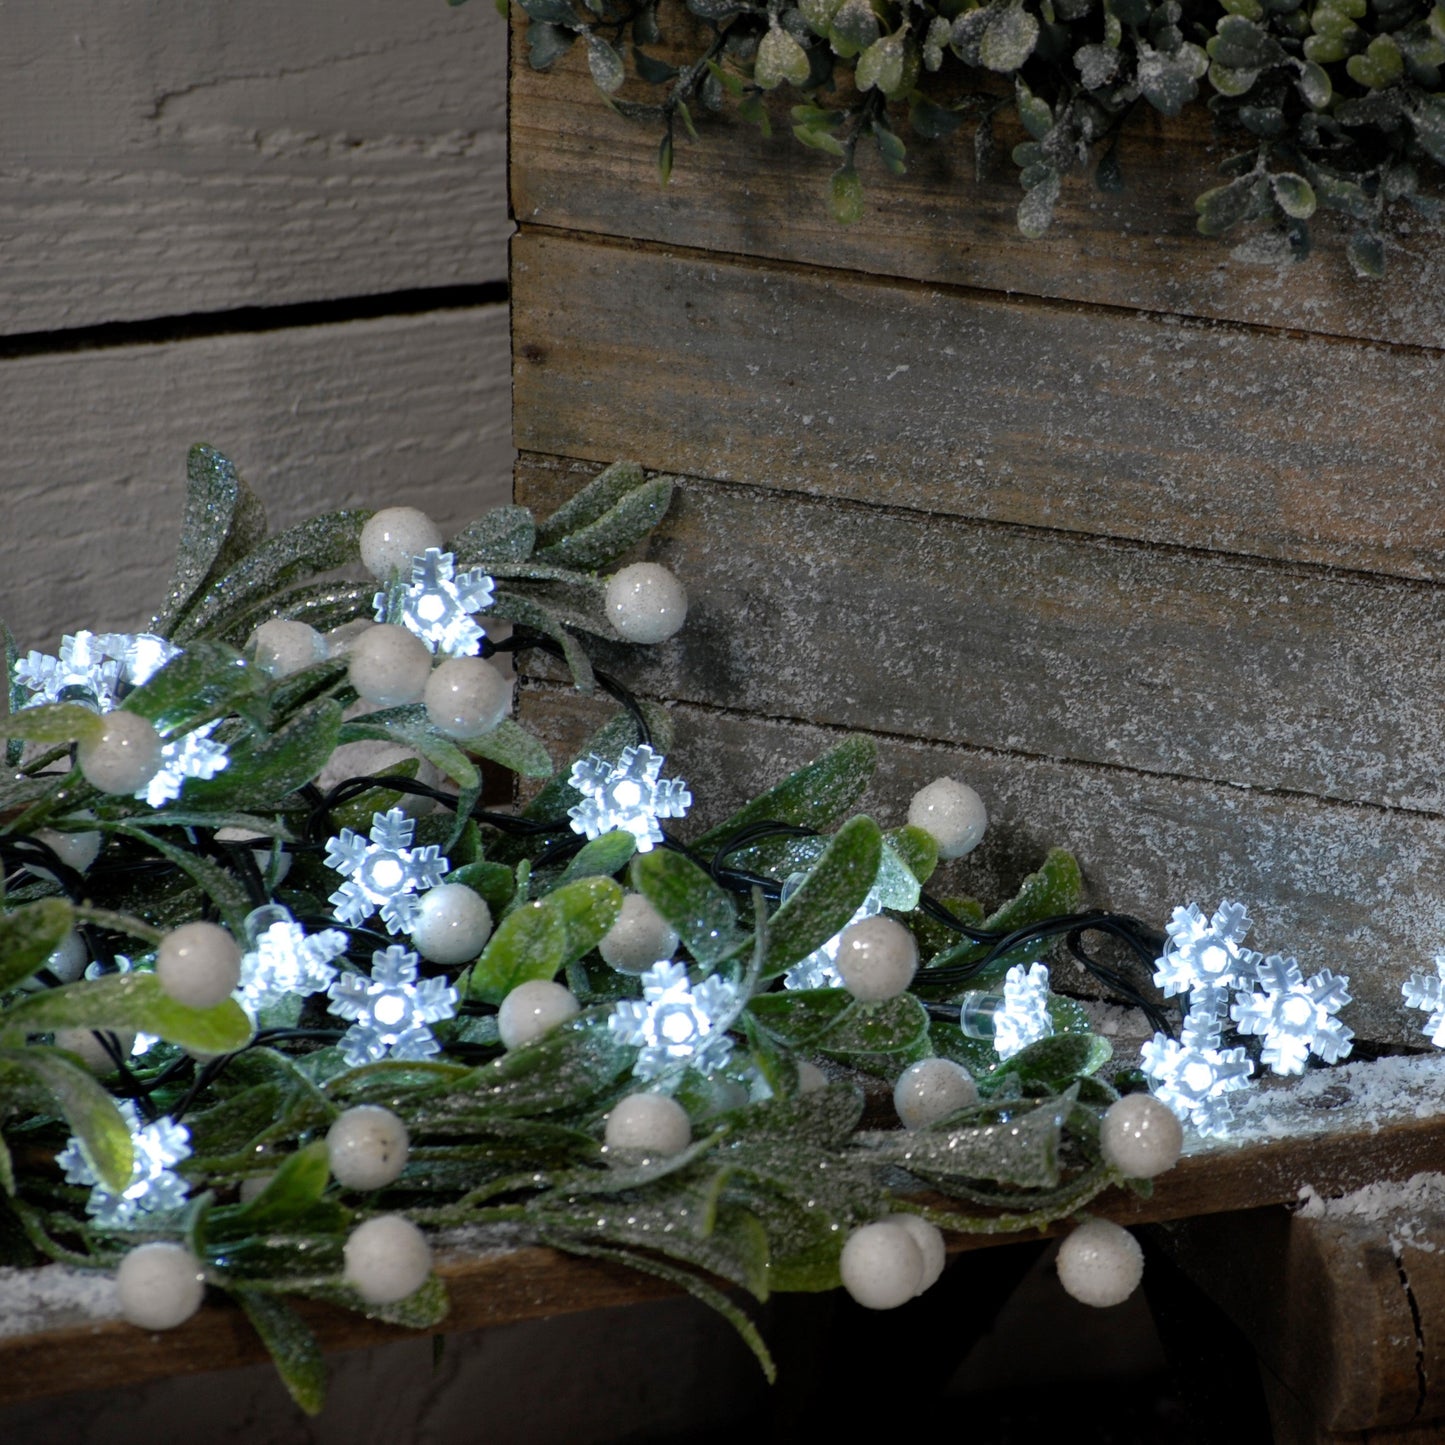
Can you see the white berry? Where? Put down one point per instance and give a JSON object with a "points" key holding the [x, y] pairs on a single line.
{"points": [[646, 603], [387, 1259], [882, 1265], [810, 1077], [877, 958], [123, 756], [466, 697], [283, 647], [650, 1124], [640, 938], [160, 1285], [1140, 1136], [929, 1239], [367, 1147], [388, 665], [452, 924], [1100, 1264], [198, 964], [533, 1009], [393, 537], [70, 958], [953, 813], [931, 1090], [79, 850], [92, 1051]]}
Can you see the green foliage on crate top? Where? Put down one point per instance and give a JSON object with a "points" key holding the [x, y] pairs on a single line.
{"points": [[1336, 106]]}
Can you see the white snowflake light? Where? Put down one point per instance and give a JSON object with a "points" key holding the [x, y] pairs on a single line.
{"points": [[628, 796], [439, 601], [284, 960], [1023, 1016], [140, 654], [1424, 992], [1206, 954], [820, 968], [154, 1185], [96, 664], [1295, 1018], [676, 1021], [383, 872], [195, 755], [391, 1010], [97, 969], [1193, 1074]]}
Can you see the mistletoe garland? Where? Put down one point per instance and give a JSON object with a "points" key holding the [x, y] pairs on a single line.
{"points": [[1337, 105]]}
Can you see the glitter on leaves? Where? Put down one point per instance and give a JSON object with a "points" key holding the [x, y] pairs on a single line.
{"points": [[676, 1022], [390, 1011], [628, 796], [383, 872]]}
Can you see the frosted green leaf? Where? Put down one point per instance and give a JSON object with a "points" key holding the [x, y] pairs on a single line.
{"points": [[28, 937], [1295, 195], [605, 64], [297, 1184], [599, 542], [205, 681], [800, 1017], [514, 748], [700, 912], [845, 193], [1380, 65], [1036, 210], [270, 768], [493, 881], [880, 1037], [1428, 119], [819, 14], [226, 892], [1366, 253], [410, 728], [854, 28], [881, 65], [598, 497], [291, 1345], [603, 857], [514, 608], [1055, 1063], [505, 534], [1315, 86], [909, 857], [54, 722], [780, 58], [1008, 39], [134, 1001]]}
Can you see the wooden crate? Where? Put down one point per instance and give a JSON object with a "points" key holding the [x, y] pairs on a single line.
{"points": [[1143, 541]]}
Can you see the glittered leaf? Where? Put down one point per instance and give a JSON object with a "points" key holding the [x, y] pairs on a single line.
{"points": [[28, 936], [268, 769], [800, 1017], [603, 857], [298, 1184], [291, 1345], [618, 732], [410, 728], [87, 1108], [511, 746], [225, 891], [205, 681], [504, 534], [598, 497], [1054, 1063], [322, 605], [606, 537], [1008, 39], [133, 1001], [494, 881], [54, 722], [511, 607], [880, 1037], [529, 943], [826, 901], [701, 913]]}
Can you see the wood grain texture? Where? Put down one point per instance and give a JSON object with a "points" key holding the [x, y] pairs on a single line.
{"points": [[578, 166], [1352, 889], [954, 402], [160, 158], [1155, 660], [92, 456]]}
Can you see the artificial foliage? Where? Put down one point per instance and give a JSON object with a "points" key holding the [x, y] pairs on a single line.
{"points": [[1332, 105], [208, 1125]]}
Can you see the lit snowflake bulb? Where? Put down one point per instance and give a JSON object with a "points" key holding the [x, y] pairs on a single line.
{"points": [[390, 1011], [386, 1259], [1015, 1018], [1426, 992], [367, 1147], [533, 1009], [81, 671], [1193, 1075], [646, 603], [383, 872], [1295, 1018], [629, 796], [675, 1023], [1205, 953], [438, 604], [123, 756], [1100, 1263], [647, 1124], [198, 964], [282, 647], [160, 1285], [393, 536], [881, 1265], [466, 697], [193, 755], [877, 959], [640, 938], [154, 1185], [952, 814], [388, 666], [283, 960]]}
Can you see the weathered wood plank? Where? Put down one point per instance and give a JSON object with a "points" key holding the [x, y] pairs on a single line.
{"points": [[577, 166], [1352, 889], [1157, 660], [92, 459], [1079, 420], [161, 158]]}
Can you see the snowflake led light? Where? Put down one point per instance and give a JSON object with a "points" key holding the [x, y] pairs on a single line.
{"points": [[154, 1185], [140, 654], [285, 960], [196, 755], [97, 969], [95, 665], [391, 1010], [820, 968], [1295, 1018], [628, 796], [383, 872], [1424, 992], [1206, 954], [676, 1021], [1023, 1016], [1192, 1074], [438, 603]]}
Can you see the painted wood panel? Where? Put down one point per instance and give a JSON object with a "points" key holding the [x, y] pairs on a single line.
{"points": [[577, 166], [949, 401], [161, 158], [1353, 889], [92, 456]]}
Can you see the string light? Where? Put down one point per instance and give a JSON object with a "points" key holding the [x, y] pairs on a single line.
{"points": [[438, 602], [1422, 991], [383, 872], [1295, 1018], [390, 1011], [285, 960], [154, 1185], [820, 968], [196, 755], [676, 1021], [1193, 1074], [627, 795]]}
